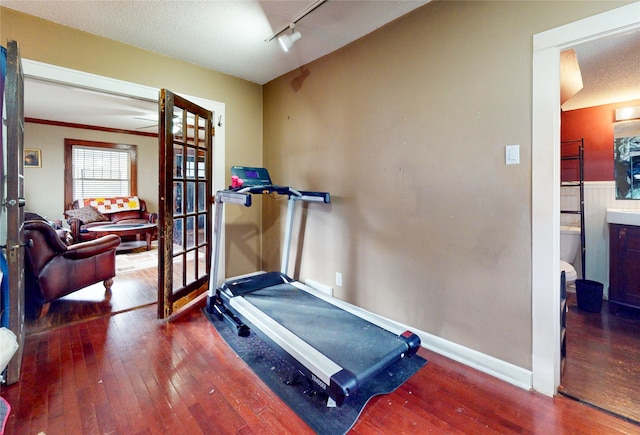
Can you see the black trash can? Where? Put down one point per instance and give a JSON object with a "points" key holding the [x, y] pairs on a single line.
{"points": [[589, 295]]}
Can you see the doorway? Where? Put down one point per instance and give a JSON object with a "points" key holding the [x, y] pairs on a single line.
{"points": [[92, 84], [546, 182], [600, 365]]}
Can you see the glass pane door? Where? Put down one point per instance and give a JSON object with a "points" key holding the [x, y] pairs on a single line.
{"points": [[186, 150]]}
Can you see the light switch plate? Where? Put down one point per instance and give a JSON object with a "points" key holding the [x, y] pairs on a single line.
{"points": [[512, 154]]}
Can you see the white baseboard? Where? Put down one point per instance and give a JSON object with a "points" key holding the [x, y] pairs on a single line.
{"points": [[487, 364], [327, 290], [502, 370]]}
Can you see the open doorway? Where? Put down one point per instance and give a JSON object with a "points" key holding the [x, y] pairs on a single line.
{"points": [[601, 365], [546, 181], [128, 100]]}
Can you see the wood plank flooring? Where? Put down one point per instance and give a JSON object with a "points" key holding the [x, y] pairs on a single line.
{"points": [[130, 290], [603, 359], [130, 373], [135, 285]]}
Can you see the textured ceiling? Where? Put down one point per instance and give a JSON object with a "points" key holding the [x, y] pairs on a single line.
{"points": [[610, 70], [229, 36], [226, 36]]}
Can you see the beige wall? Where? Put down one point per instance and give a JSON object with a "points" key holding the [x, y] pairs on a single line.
{"points": [[407, 129], [51, 43]]}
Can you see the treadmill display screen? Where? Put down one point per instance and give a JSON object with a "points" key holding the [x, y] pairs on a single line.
{"points": [[252, 176]]}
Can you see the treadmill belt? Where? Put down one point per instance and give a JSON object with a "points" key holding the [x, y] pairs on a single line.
{"points": [[348, 340]]}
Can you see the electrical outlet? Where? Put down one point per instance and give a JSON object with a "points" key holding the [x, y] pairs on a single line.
{"points": [[339, 279]]}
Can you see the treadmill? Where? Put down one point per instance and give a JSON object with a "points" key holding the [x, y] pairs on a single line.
{"points": [[337, 346]]}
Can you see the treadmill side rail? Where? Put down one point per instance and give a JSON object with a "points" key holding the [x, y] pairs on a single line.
{"points": [[317, 363]]}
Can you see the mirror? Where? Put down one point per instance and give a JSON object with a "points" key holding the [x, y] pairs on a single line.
{"points": [[627, 159]]}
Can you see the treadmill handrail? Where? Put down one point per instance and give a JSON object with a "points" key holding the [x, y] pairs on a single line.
{"points": [[324, 197], [242, 196], [232, 197], [265, 189]]}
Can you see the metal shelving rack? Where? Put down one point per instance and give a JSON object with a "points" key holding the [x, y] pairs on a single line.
{"points": [[573, 150]]}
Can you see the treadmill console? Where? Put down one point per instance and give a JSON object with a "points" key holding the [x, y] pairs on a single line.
{"points": [[249, 180], [252, 176]]}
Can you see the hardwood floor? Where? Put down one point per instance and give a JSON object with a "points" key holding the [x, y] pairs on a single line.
{"points": [[603, 359], [130, 373], [134, 286], [130, 290]]}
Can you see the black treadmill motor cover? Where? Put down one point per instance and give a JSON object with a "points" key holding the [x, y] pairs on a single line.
{"points": [[253, 283]]}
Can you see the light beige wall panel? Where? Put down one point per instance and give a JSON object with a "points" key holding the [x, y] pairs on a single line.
{"points": [[51, 43], [407, 129]]}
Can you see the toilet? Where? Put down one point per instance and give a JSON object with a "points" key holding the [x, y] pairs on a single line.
{"points": [[569, 248]]}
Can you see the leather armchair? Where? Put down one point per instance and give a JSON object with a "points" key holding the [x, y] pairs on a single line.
{"points": [[54, 270], [63, 233]]}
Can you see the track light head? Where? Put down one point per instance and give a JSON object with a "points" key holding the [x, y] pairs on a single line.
{"points": [[287, 41]]}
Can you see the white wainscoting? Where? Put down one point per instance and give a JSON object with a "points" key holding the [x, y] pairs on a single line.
{"points": [[598, 197]]}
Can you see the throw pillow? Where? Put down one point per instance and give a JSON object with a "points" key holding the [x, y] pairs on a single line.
{"points": [[87, 215]]}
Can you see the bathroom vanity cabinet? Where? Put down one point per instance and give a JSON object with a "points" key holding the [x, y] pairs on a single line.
{"points": [[624, 266]]}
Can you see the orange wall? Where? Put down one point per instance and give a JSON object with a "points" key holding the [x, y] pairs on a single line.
{"points": [[595, 124]]}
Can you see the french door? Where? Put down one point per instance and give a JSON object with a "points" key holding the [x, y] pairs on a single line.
{"points": [[185, 202], [13, 203]]}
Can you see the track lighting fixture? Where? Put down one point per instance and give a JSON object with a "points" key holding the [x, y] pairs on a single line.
{"points": [[287, 40]]}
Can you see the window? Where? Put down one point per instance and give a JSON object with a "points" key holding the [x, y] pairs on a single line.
{"points": [[99, 169], [100, 173]]}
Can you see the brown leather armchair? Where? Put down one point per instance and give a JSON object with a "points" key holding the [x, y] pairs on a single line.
{"points": [[54, 270], [63, 233]]}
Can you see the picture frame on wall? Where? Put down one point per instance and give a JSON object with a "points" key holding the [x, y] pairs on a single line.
{"points": [[32, 158]]}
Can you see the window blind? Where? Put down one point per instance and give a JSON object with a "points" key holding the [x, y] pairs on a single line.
{"points": [[99, 173]]}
